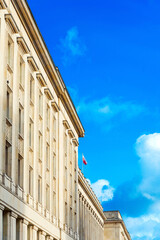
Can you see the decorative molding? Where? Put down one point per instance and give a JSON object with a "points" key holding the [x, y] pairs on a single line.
{"points": [[32, 63], [22, 43], [35, 228], [48, 93], [66, 124], [2, 207], [3, 4], [70, 132], [24, 221], [10, 20], [43, 233], [41, 79], [14, 215], [75, 141], [55, 106]]}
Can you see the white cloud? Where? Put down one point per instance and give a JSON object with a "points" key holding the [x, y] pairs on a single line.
{"points": [[72, 45], [148, 149], [105, 109], [146, 227], [103, 190]]}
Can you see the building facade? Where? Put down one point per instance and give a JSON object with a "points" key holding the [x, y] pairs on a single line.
{"points": [[91, 216], [43, 194], [114, 227], [39, 131]]}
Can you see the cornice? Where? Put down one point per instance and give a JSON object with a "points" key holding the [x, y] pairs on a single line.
{"points": [[23, 44], [66, 124], [48, 93], [11, 22], [55, 106], [41, 79], [3, 4], [52, 71], [82, 180], [70, 132], [32, 63]]}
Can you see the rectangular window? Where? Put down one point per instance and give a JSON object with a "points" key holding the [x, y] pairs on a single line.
{"points": [[40, 103], [40, 147], [47, 198], [66, 213], [31, 88], [48, 116], [20, 121], [70, 216], [21, 72], [31, 134], [30, 181], [8, 157], [54, 165], [40, 189], [54, 203], [10, 53], [8, 105], [47, 156], [20, 171]]}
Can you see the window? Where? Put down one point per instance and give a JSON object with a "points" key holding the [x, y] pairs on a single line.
{"points": [[21, 119], [54, 203], [47, 198], [47, 156], [8, 113], [70, 217], [66, 213], [8, 157], [54, 165], [10, 53], [31, 88], [48, 116], [39, 189], [40, 103], [31, 133], [40, 147], [20, 171], [30, 180], [21, 72]]}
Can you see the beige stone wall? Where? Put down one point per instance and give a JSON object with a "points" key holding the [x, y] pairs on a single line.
{"points": [[39, 131], [91, 217], [114, 227]]}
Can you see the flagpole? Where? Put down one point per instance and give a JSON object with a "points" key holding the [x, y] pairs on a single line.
{"points": [[82, 162]]}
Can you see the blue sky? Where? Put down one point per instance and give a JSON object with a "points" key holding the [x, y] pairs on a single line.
{"points": [[108, 53]]}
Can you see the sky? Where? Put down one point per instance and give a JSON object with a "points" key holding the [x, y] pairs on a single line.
{"points": [[108, 53]]}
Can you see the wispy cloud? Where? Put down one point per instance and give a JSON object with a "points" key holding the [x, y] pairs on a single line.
{"points": [[71, 46], [103, 190], [105, 109]]}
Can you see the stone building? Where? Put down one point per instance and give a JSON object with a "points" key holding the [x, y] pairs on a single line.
{"points": [[39, 131], [91, 216], [43, 194], [114, 227]]}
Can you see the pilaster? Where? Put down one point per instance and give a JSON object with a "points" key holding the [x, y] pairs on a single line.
{"points": [[34, 230], [1, 221], [12, 226], [24, 232]]}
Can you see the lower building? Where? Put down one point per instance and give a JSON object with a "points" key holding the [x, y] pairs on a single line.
{"points": [[114, 227], [91, 216]]}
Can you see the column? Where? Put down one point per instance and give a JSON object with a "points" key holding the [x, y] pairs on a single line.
{"points": [[3, 47], [34, 229], [24, 232], [43, 235], [1, 221], [13, 217]]}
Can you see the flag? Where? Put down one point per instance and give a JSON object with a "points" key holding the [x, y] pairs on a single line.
{"points": [[84, 160]]}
